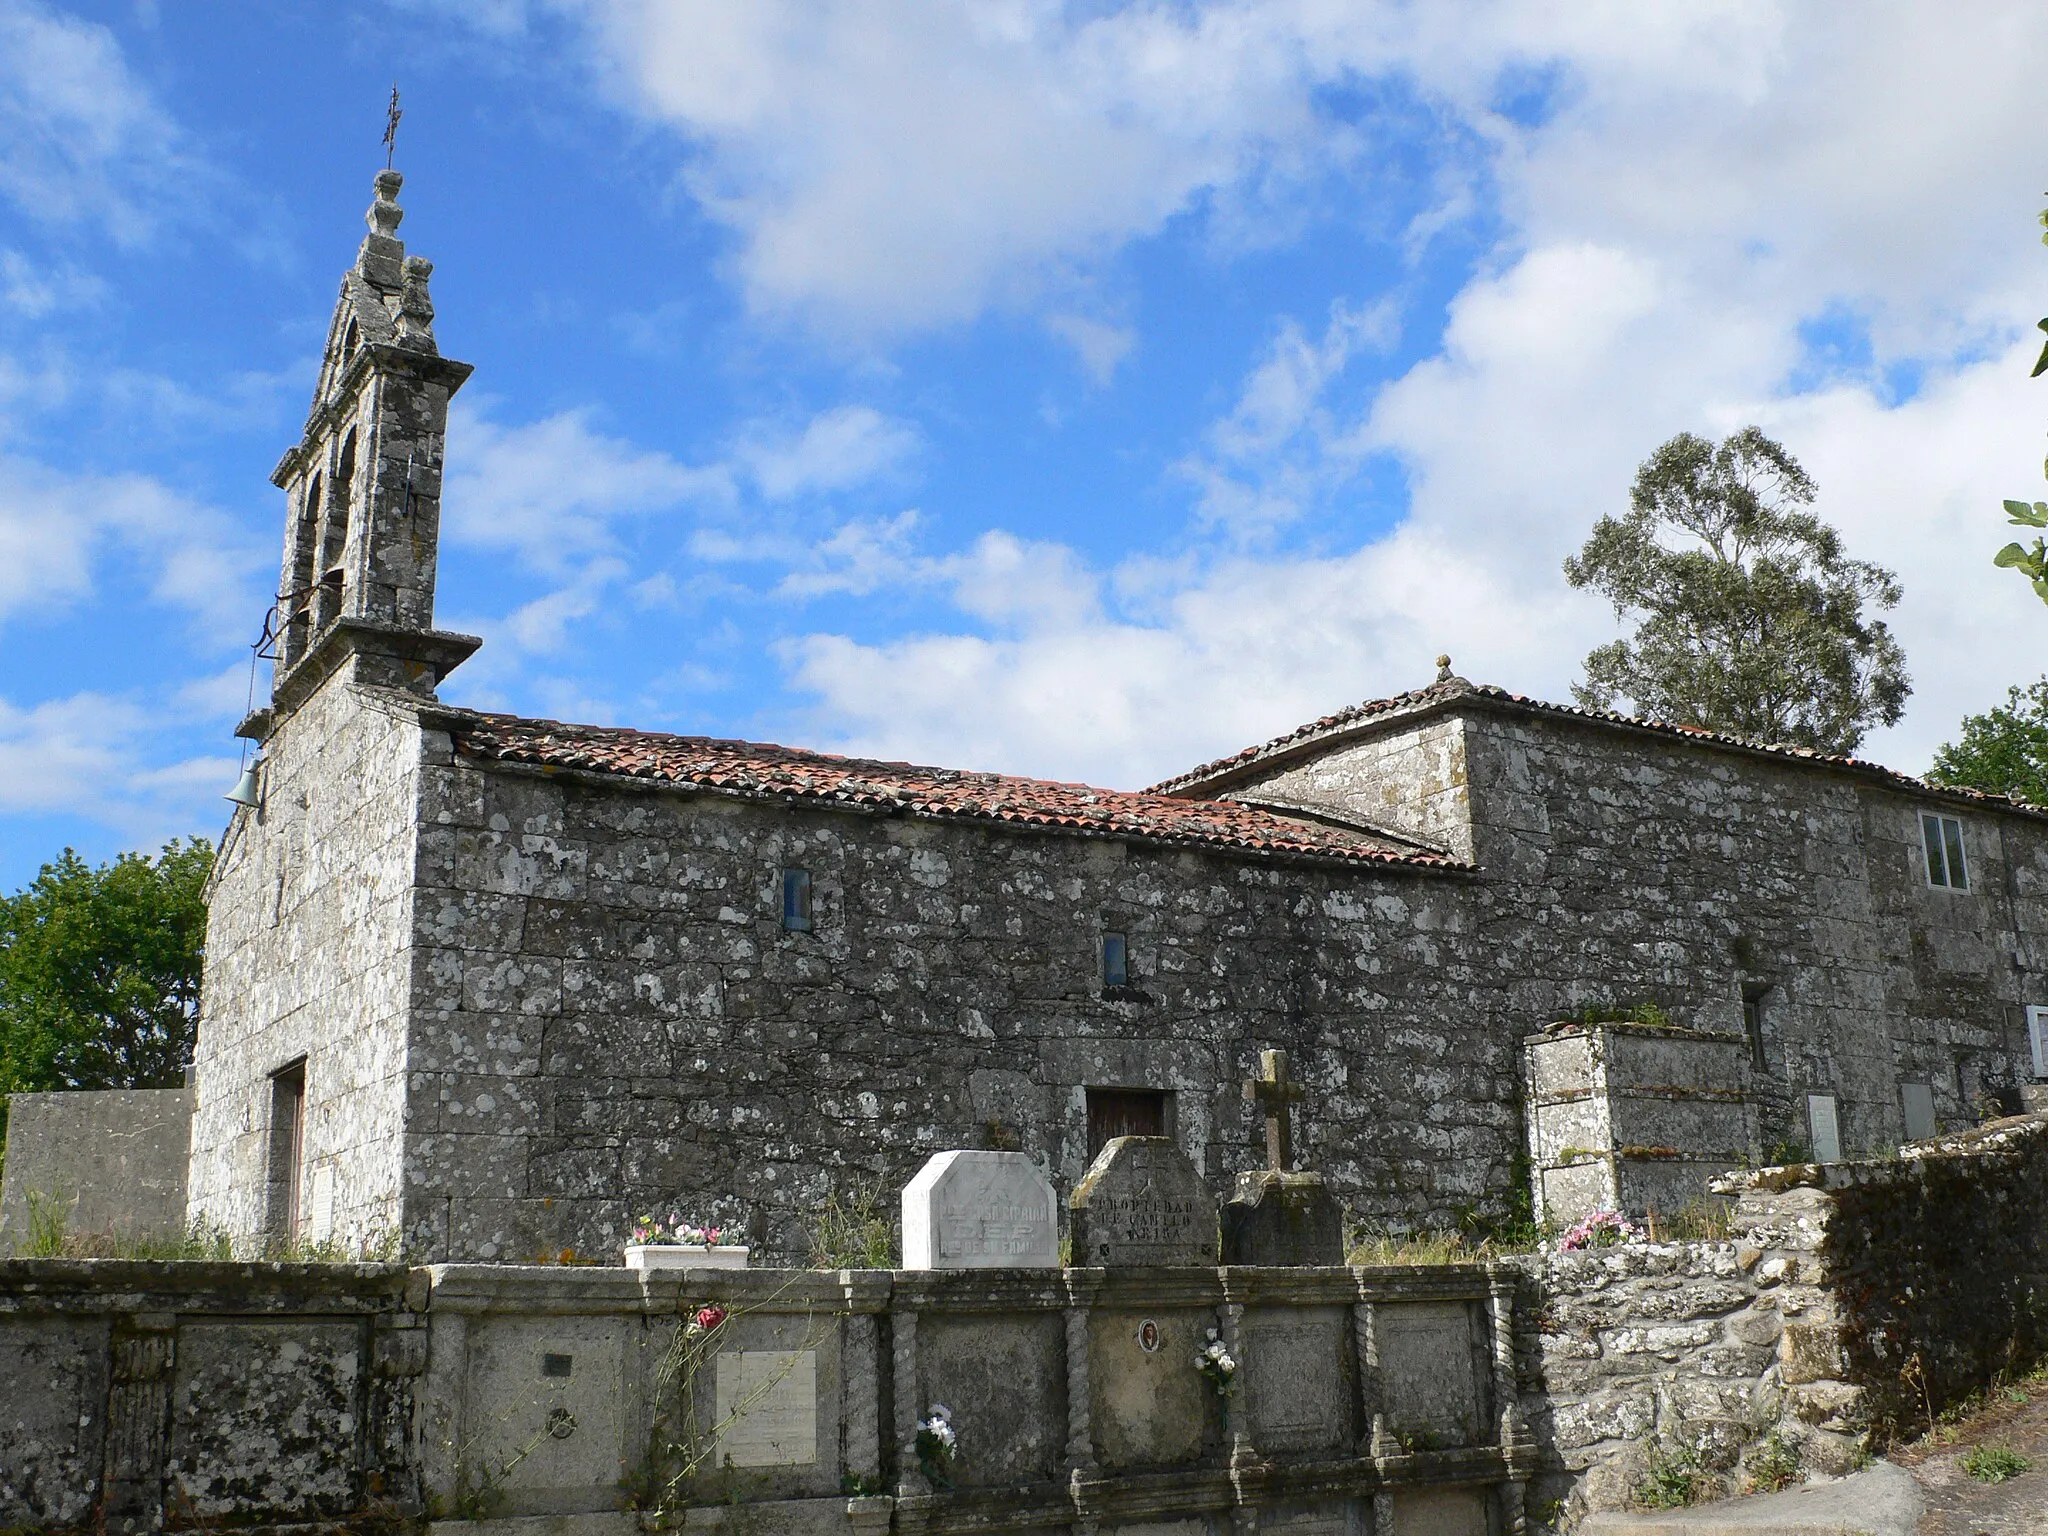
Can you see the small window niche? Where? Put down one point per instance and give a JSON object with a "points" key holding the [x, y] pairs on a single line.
{"points": [[1116, 968], [1754, 998], [1942, 837], [1917, 1100], [287, 1151], [796, 900], [1824, 1127], [2037, 1039]]}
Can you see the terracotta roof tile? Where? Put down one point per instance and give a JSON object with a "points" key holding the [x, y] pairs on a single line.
{"points": [[758, 770], [1445, 694]]}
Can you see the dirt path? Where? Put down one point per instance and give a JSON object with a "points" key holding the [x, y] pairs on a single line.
{"points": [[1958, 1504]]}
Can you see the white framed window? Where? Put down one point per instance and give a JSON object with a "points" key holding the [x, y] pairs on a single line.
{"points": [[1942, 836], [1825, 1127], [2037, 1038]]}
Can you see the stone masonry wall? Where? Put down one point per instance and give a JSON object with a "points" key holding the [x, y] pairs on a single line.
{"points": [[1618, 867], [309, 954], [1936, 1263], [610, 1016]]}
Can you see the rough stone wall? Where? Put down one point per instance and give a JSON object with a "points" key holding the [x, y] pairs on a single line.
{"points": [[1622, 866], [610, 1017], [309, 954], [1936, 1263], [114, 1160]]}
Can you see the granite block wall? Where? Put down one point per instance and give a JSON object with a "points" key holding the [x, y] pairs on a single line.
{"points": [[1622, 866], [309, 956], [609, 1017]]}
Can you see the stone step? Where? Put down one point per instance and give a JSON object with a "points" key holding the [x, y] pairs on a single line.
{"points": [[1882, 1501]]}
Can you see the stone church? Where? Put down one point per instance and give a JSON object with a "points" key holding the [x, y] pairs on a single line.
{"points": [[501, 984]]}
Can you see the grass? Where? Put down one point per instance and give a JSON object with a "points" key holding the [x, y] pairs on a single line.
{"points": [[1995, 1463], [854, 1233], [1701, 1221], [50, 1237]]}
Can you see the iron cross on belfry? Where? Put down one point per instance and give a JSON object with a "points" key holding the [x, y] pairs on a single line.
{"points": [[1273, 1092], [391, 117]]}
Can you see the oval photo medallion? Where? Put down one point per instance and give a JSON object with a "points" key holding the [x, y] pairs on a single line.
{"points": [[1148, 1336]]}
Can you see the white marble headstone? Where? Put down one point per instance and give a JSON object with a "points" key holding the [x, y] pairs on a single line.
{"points": [[980, 1210]]}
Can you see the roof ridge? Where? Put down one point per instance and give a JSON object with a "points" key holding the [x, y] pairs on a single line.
{"points": [[1442, 693]]}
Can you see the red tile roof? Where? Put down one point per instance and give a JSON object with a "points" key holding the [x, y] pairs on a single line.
{"points": [[760, 771], [1457, 691]]}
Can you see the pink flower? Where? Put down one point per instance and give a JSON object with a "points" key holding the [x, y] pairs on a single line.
{"points": [[709, 1318]]}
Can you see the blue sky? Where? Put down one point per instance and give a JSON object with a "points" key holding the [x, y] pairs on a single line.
{"points": [[1077, 390]]}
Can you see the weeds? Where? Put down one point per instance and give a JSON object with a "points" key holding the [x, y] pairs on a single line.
{"points": [[854, 1233], [1700, 1221], [1995, 1463], [50, 1237], [1675, 1480], [1774, 1464]]}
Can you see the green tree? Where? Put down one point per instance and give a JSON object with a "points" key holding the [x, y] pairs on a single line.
{"points": [[1753, 620], [2003, 751], [2030, 563], [99, 971]]}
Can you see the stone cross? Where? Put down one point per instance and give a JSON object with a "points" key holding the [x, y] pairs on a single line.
{"points": [[1273, 1093]]}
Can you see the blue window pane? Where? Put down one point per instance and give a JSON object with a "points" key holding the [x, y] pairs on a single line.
{"points": [[1114, 973], [796, 899]]}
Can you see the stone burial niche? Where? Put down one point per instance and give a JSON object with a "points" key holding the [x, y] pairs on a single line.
{"points": [[1634, 1117]]}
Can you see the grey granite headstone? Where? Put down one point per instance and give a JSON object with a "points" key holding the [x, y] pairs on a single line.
{"points": [[1142, 1204], [1282, 1218], [980, 1210], [108, 1161]]}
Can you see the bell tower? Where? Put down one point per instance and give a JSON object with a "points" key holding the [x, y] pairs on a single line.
{"points": [[363, 485]]}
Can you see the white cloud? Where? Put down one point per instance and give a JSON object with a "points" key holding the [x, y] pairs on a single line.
{"points": [[845, 446], [84, 755], [81, 140], [1711, 182], [551, 491], [1099, 345], [58, 531]]}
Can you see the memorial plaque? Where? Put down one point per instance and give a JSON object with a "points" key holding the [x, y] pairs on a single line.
{"points": [[980, 1210], [1428, 1371], [767, 1406], [1142, 1204], [1299, 1379]]}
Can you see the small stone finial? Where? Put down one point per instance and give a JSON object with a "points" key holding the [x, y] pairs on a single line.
{"points": [[415, 308], [385, 214], [1443, 669]]}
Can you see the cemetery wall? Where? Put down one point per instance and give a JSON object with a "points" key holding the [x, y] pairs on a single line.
{"points": [[309, 957], [1936, 1263], [111, 1162], [224, 1395], [207, 1394], [610, 1016]]}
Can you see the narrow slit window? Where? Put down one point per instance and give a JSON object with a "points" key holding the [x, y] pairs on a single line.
{"points": [[1115, 961], [287, 1151], [1753, 1025], [796, 900], [1943, 839]]}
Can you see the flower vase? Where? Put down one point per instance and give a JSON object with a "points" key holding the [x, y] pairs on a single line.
{"points": [[651, 1256]]}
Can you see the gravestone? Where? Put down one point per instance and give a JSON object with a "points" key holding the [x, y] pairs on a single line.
{"points": [[1278, 1215], [1141, 1204], [980, 1210]]}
